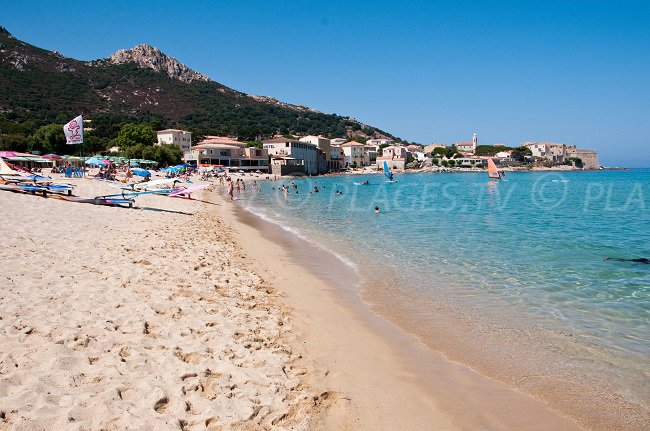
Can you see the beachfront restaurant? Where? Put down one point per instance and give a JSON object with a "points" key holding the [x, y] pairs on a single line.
{"points": [[229, 154], [26, 160]]}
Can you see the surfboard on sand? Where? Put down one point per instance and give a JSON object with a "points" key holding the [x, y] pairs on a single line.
{"points": [[188, 190]]}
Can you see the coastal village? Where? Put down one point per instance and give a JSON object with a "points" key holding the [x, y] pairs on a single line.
{"points": [[314, 155], [317, 155]]}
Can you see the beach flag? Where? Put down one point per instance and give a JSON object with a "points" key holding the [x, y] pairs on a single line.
{"points": [[74, 131]]}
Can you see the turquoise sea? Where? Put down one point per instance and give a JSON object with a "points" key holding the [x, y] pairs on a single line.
{"points": [[524, 257]]}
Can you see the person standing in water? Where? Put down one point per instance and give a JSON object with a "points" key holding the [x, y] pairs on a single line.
{"points": [[231, 188]]}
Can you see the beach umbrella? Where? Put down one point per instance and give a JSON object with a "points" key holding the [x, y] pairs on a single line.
{"points": [[7, 154], [52, 157], [141, 172], [95, 161], [221, 170]]}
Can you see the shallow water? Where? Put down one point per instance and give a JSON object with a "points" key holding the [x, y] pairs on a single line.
{"points": [[525, 254]]}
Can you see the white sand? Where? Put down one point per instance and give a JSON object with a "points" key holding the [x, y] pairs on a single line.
{"points": [[114, 318]]}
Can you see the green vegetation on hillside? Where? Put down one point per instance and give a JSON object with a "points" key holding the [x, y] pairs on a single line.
{"points": [[42, 88]]}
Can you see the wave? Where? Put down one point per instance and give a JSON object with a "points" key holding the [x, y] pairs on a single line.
{"points": [[303, 236]]}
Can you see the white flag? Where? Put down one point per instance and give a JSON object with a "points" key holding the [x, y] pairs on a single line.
{"points": [[74, 131]]}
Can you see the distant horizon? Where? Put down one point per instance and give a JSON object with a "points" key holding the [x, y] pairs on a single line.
{"points": [[570, 72]]}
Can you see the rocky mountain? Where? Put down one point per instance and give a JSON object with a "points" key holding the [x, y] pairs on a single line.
{"points": [[152, 58], [143, 84]]}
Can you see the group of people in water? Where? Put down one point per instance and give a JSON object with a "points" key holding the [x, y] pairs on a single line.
{"points": [[285, 189], [238, 184]]}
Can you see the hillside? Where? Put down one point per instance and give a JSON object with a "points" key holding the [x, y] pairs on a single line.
{"points": [[143, 85]]}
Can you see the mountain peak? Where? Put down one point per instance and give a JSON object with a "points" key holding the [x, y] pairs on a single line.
{"points": [[147, 56], [5, 32]]}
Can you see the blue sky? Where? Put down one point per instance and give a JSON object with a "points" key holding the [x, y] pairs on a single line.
{"points": [[574, 71]]}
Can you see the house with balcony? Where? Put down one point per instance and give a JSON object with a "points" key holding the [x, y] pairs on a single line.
{"points": [[354, 154], [371, 154], [396, 156], [337, 158], [227, 153]]}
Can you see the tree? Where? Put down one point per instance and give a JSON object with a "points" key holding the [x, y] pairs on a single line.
{"points": [[14, 142], [168, 154], [134, 134], [447, 152], [435, 161], [49, 140], [438, 151], [487, 150], [165, 154], [95, 144], [451, 162], [520, 153]]}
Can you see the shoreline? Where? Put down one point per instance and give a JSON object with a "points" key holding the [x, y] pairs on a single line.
{"points": [[458, 395], [501, 354], [455, 170]]}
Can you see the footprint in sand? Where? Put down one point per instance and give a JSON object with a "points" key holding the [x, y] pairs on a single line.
{"points": [[161, 405]]}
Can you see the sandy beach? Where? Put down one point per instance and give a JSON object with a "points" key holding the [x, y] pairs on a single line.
{"points": [[184, 314]]}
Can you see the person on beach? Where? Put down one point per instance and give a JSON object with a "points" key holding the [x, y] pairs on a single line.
{"points": [[230, 189], [376, 210]]}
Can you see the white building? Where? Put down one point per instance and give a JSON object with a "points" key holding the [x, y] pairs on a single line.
{"points": [[354, 154], [324, 145], [379, 142], [468, 147], [549, 150], [338, 141], [181, 138], [395, 152], [305, 151], [420, 156], [395, 156]]}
